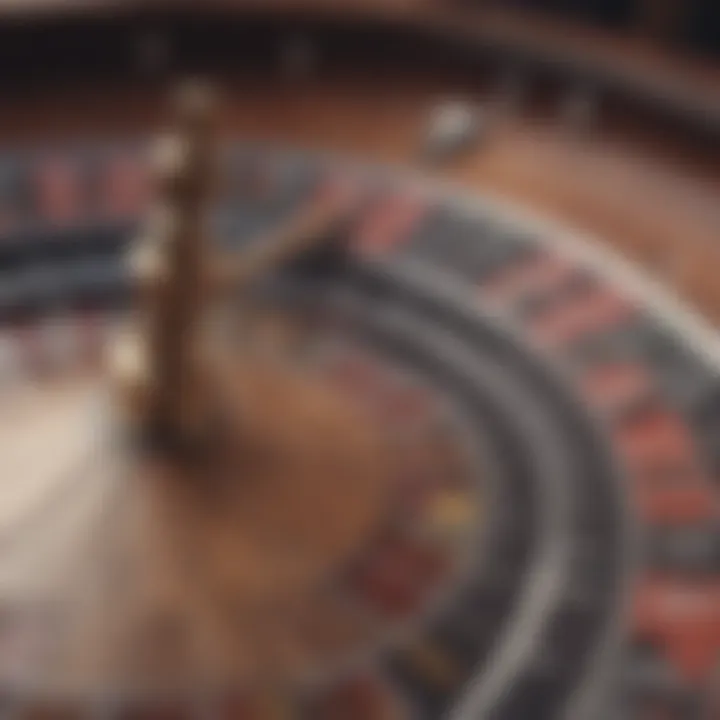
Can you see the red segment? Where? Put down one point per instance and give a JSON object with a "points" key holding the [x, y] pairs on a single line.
{"points": [[683, 617], [541, 274], [388, 224], [127, 187], [592, 312], [396, 578], [676, 506], [659, 451], [58, 186], [611, 386], [659, 436]]}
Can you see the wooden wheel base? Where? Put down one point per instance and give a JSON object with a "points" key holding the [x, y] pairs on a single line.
{"points": [[211, 573]]}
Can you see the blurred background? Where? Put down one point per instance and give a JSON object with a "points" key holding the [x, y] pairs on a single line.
{"points": [[603, 113]]}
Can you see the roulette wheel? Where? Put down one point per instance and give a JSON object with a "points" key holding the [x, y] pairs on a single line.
{"points": [[547, 518], [331, 441]]}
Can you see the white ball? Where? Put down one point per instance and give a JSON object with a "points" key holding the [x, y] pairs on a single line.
{"points": [[452, 127]]}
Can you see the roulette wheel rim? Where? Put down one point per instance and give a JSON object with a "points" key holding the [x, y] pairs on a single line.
{"points": [[440, 286], [483, 693]]}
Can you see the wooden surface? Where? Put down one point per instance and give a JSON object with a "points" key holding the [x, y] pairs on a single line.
{"points": [[624, 60], [634, 189]]}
